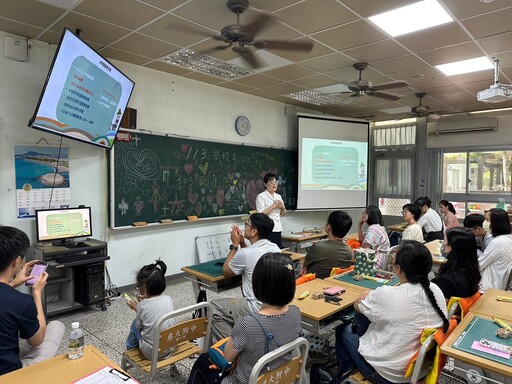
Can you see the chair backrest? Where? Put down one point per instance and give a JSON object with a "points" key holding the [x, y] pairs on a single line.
{"points": [[423, 362], [182, 332], [508, 287], [290, 372]]}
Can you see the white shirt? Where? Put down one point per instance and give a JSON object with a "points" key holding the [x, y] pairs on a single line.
{"points": [[430, 221], [413, 232], [243, 263], [263, 201], [398, 316], [496, 263]]}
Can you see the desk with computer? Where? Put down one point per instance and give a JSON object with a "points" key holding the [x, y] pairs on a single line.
{"points": [[73, 260]]}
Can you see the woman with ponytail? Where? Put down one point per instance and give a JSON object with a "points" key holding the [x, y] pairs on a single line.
{"points": [[448, 214], [150, 306], [397, 318]]}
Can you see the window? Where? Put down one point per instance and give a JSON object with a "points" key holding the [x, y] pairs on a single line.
{"points": [[475, 179], [393, 166]]}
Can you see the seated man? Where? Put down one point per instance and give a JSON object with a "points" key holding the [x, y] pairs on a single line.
{"points": [[479, 224], [20, 313], [331, 252], [430, 221], [241, 260]]}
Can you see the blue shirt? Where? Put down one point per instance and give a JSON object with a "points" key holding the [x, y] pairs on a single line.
{"points": [[18, 316]]}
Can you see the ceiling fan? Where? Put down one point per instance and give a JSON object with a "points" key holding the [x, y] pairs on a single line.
{"points": [[422, 110], [362, 87], [239, 37]]}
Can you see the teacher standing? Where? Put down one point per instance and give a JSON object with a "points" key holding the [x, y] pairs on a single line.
{"points": [[271, 203]]}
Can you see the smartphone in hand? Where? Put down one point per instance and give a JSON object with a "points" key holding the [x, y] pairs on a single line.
{"points": [[37, 269], [127, 297]]}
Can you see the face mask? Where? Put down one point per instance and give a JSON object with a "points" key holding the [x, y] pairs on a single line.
{"points": [[486, 225]]}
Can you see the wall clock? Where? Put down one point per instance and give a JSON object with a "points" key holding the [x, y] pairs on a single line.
{"points": [[242, 125]]}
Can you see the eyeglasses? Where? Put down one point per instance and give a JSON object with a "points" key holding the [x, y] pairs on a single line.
{"points": [[248, 224], [364, 213]]}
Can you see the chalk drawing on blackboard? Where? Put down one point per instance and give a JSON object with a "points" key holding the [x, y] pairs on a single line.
{"points": [[162, 177]]}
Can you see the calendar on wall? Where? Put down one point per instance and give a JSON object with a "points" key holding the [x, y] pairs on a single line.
{"points": [[42, 175]]}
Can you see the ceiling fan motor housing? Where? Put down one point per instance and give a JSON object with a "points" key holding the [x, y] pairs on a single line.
{"points": [[238, 6]]}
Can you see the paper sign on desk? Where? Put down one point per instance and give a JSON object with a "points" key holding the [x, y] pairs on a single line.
{"points": [[476, 345], [107, 375]]}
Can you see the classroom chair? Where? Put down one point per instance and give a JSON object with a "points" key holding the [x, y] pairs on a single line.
{"points": [[180, 337], [294, 371]]}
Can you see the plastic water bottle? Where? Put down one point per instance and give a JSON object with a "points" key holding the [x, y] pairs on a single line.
{"points": [[501, 203], [76, 341]]}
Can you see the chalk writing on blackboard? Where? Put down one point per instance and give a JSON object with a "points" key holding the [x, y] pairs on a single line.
{"points": [[154, 178]]}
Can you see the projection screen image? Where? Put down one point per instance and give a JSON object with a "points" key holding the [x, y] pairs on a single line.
{"points": [[333, 163]]}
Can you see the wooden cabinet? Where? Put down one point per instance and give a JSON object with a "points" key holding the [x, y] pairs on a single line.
{"points": [[65, 266]]}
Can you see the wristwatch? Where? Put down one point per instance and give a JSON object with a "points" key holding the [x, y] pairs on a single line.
{"points": [[235, 247]]}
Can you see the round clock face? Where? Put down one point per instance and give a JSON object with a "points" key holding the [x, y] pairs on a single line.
{"points": [[242, 125]]}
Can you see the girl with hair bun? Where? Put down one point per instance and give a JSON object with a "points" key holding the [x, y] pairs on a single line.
{"points": [[149, 307], [397, 318]]}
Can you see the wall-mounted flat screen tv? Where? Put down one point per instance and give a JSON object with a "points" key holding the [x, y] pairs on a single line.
{"points": [[84, 96]]}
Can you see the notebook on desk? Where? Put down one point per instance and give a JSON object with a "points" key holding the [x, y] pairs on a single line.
{"points": [[107, 375]]}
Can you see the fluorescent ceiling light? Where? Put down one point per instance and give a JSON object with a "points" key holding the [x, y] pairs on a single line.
{"points": [[411, 18], [395, 122], [313, 97], [490, 111], [466, 66]]}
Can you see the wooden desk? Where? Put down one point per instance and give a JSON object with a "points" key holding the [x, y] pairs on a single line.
{"points": [[434, 247], [488, 305], [396, 227], [218, 282], [318, 316], [300, 240], [467, 357], [60, 369]]}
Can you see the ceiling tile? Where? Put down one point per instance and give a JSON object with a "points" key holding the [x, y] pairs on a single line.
{"points": [[175, 31], [169, 68], [92, 30], [19, 29], [349, 35], [368, 8], [258, 81], [328, 63], [457, 52], [489, 24], [418, 74], [427, 85], [330, 14], [30, 12], [271, 5], [488, 75], [314, 82], [318, 50], [127, 57], [127, 13], [376, 51], [166, 5], [203, 77], [212, 14], [284, 88], [496, 43], [144, 46], [464, 8], [398, 64], [291, 72], [234, 86], [431, 38]]}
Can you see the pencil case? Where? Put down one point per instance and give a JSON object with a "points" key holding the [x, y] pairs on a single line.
{"points": [[333, 291]]}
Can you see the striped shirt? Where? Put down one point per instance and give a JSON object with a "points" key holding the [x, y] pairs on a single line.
{"points": [[249, 340]]}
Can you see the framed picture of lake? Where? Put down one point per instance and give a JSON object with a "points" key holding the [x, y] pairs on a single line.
{"points": [[42, 178]]}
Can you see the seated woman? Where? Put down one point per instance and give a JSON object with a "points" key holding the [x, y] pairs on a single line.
{"points": [[459, 275], [411, 214], [375, 236], [397, 318], [275, 324], [496, 261], [448, 214]]}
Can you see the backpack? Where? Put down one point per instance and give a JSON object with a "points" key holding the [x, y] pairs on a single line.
{"points": [[323, 373]]}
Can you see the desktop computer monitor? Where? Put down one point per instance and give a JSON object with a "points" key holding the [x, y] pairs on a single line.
{"points": [[62, 226]]}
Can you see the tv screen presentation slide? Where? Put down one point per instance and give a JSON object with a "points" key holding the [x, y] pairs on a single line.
{"points": [[333, 162], [84, 97], [62, 224]]}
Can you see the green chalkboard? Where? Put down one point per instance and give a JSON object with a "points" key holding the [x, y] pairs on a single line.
{"points": [[156, 177]]}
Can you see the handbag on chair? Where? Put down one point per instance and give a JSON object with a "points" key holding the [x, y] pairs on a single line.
{"points": [[364, 261]]}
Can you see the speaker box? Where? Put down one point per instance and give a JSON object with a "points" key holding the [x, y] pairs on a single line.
{"points": [[129, 119], [90, 284]]}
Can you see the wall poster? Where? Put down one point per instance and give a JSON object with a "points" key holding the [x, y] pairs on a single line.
{"points": [[41, 175]]}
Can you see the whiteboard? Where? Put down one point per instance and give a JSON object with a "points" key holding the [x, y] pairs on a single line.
{"points": [[212, 247]]}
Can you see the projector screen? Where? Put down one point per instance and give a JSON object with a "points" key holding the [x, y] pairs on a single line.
{"points": [[333, 162]]}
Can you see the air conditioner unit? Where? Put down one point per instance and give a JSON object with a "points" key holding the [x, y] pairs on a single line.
{"points": [[489, 124]]}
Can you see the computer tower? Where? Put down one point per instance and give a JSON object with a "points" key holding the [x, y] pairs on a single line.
{"points": [[89, 284]]}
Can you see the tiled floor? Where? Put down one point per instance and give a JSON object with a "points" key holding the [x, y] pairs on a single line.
{"points": [[107, 330]]}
